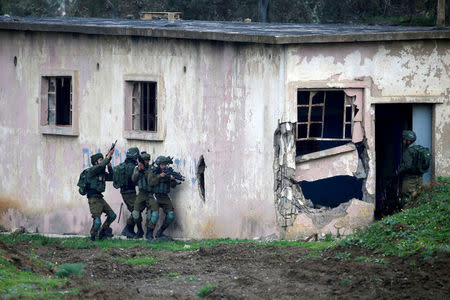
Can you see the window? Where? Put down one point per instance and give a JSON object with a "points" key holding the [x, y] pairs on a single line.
{"points": [[324, 120], [58, 103], [144, 113], [144, 107]]}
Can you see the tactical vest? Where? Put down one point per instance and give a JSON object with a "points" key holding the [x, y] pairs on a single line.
{"points": [[96, 184], [163, 187], [129, 187], [142, 181]]}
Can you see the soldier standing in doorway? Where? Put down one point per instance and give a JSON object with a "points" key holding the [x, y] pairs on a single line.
{"points": [[415, 162], [96, 177]]}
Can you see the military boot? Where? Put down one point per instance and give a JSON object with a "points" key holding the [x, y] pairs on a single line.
{"points": [[161, 236], [109, 232], [93, 237], [149, 234], [140, 231], [128, 231], [102, 234]]}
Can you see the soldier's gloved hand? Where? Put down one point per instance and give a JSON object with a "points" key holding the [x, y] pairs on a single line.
{"points": [[172, 178], [162, 174]]}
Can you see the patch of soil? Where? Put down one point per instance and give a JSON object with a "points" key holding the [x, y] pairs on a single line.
{"points": [[245, 271]]}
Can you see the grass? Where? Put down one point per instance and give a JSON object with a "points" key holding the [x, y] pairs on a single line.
{"points": [[25, 284], [139, 260], [422, 229], [205, 291], [65, 270], [175, 274], [371, 260]]}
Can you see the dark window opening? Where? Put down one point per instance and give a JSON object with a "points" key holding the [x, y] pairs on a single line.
{"points": [[201, 177], [144, 116], [333, 191], [324, 120], [59, 101]]}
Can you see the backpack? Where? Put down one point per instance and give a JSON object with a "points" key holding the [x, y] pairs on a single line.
{"points": [[120, 176], [83, 183], [422, 159]]}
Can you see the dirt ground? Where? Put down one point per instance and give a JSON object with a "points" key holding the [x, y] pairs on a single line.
{"points": [[245, 271]]}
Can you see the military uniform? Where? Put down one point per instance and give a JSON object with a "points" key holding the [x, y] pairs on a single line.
{"points": [[96, 177], [411, 181], [144, 198], [160, 188], [128, 193]]}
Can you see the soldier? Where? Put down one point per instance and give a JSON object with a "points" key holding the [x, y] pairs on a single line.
{"points": [[160, 186], [96, 177], [128, 191], [409, 171], [139, 177]]}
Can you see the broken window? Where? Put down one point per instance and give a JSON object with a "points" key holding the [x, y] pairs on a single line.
{"points": [[59, 97], [324, 120], [144, 106]]}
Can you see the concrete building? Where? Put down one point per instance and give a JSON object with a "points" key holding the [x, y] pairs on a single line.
{"points": [[280, 129]]}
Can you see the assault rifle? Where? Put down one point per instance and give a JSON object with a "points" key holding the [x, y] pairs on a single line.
{"points": [[169, 172]]}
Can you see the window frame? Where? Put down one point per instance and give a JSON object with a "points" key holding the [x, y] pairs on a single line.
{"points": [[349, 101], [129, 132], [55, 129]]}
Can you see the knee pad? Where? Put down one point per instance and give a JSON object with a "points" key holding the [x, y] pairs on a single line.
{"points": [[97, 223], [169, 217], [111, 215], [136, 215], [155, 216]]}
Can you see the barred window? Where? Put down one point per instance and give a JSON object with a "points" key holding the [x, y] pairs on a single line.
{"points": [[324, 120], [144, 106]]}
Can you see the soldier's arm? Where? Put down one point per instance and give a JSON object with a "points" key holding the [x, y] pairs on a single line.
{"points": [[97, 169], [407, 162], [135, 175], [109, 175], [152, 178], [173, 183]]}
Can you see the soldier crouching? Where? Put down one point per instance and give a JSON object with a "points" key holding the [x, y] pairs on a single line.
{"points": [[160, 187], [96, 178]]}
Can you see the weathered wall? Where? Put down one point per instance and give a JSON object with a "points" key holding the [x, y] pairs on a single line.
{"points": [[223, 107], [226, 107], [391, 72]]}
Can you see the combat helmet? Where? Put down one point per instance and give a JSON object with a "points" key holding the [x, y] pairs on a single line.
{"points": [[95, 157], [145, 156], [409, 135], [133, 152], [163, 160]]}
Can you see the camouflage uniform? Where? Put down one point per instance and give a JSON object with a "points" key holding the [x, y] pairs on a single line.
{"points": [[411, 181], [128, 193], [160, 187], [96, 177]]}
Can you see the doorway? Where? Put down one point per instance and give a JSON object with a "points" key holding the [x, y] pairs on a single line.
{"points": [[390, 121]]}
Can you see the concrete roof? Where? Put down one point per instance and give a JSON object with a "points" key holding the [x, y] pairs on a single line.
{"points": [[267, 33]]}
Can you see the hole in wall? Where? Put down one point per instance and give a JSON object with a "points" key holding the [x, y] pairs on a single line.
{"points": [[201, 176], [15, 60], [98, 66], [333, 191], [184, 69]]}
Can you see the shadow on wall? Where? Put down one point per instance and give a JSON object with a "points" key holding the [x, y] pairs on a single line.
{"points": [[331, 192]]}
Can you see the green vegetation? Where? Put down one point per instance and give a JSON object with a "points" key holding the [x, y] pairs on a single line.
{"points": [[343, 255], [26, 284], [205, 291], [142, 260], [175, 274], [65, 270], [422, 229], [371, 260], [344, 281]]}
